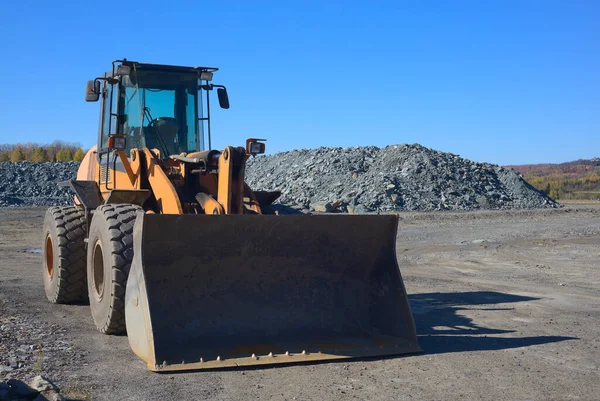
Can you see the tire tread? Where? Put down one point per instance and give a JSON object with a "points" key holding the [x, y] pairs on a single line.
{"points": [[71, 231], [120, 220]]}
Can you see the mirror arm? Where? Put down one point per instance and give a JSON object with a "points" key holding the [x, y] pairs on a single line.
{"points": [[210, 87], [109, 80]]}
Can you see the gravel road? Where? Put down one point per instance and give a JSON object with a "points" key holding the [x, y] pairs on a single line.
{"points": [[506, 304]]}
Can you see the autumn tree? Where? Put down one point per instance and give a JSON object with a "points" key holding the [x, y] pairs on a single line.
{"points": [[39, 155], [51, 153], [17, 155], [64, 155], [79, 155]]}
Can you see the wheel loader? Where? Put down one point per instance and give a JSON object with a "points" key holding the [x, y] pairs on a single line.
{"points": [[170, 245]]}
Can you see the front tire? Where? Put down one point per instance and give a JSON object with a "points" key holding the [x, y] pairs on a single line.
{"points": [[63, 255], [109, 256]]}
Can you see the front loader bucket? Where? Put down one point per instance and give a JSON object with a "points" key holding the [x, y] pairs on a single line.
{"points": [[210, 291]]}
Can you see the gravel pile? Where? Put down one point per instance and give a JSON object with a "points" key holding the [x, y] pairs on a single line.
{"points": [[29, 183], [353, 180], [397, 177]]}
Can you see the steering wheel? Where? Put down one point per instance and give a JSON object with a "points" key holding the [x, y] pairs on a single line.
{"points": [[165, 120]]}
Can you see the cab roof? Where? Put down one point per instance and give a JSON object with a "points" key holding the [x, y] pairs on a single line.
{"points": [[155, 67]]}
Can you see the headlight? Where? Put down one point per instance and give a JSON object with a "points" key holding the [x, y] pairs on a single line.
{"points": [[254, 147], [206, 76], [117, 142], [257, 148]]}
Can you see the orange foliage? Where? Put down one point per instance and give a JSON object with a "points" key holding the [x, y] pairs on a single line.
{"points": [[573, 180]]}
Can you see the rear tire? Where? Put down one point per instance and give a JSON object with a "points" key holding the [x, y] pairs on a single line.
{"points": [[63, 255], [109, 256]]}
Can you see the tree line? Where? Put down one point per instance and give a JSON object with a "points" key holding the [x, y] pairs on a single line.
{"points": [[579, 179], [562, 186], [57, 151]]}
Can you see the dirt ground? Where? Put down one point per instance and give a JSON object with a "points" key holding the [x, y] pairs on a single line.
{"points": [[506, 304]]}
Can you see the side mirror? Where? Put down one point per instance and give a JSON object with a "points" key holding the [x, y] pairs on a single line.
{"points": [[223, 98], [92, 91]]}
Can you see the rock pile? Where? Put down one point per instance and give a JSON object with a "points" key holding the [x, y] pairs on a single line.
{"points": [[28, 183], [354, 180], [397, 177]]}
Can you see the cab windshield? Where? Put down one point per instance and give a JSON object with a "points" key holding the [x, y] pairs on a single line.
{"points": [[161, 111]]}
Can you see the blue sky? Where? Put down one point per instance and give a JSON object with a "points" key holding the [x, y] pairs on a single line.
{"points": [[505, 82]]}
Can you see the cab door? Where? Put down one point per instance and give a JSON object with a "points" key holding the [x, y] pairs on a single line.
{"points": [[108, 126]]}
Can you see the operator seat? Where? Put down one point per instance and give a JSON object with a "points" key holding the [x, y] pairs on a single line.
{"points": [[167, 128]]}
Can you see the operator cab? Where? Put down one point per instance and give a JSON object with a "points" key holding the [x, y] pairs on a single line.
{"points": [[154, 106]]}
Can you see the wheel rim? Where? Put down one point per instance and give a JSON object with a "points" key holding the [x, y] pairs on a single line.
{"points": [[98, 271], [49, 256]]}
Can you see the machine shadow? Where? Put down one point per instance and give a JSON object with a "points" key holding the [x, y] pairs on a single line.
{"points": [[442, 329]]}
